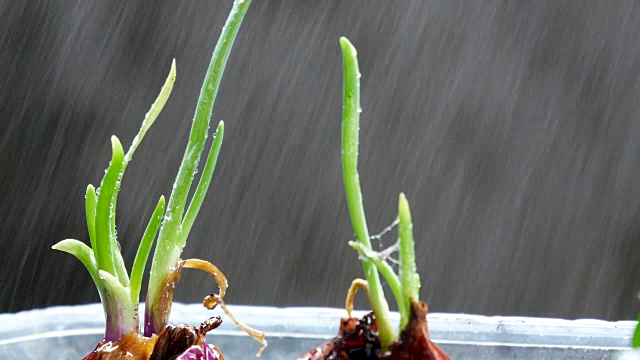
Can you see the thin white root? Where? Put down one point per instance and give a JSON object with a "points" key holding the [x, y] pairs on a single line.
{"points": [[213, 300], [356, 284]]}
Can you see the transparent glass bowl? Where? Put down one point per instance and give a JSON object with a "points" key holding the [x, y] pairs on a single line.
{"points": [[72, 332]]}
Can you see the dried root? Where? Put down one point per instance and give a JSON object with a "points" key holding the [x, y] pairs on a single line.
{"points": [[356, 285], [213, 300]]}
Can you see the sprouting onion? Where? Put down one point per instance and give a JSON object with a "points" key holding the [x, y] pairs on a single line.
{"points": [[118, 291], [405, 286], [373, 336]]}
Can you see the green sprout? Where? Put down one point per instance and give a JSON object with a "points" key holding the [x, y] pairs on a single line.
{"points": [[405, 286], [118, 291], [177, 225]]}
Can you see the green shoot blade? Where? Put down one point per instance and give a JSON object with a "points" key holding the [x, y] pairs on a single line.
{"points": [[170, 242], [149, 119], [153, 113], [90, 205], [144, 249], [83, 253], [408, 275], [350, 142], [203, 184], [104, 238], [350, 137], [198, 135]]}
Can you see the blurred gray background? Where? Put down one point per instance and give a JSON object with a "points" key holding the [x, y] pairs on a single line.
{"points": [[512, 126]]}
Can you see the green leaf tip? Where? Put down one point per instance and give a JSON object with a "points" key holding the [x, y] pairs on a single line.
{"points": [[347, 46], [83, 253], [116, 146], [153, 113]]}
